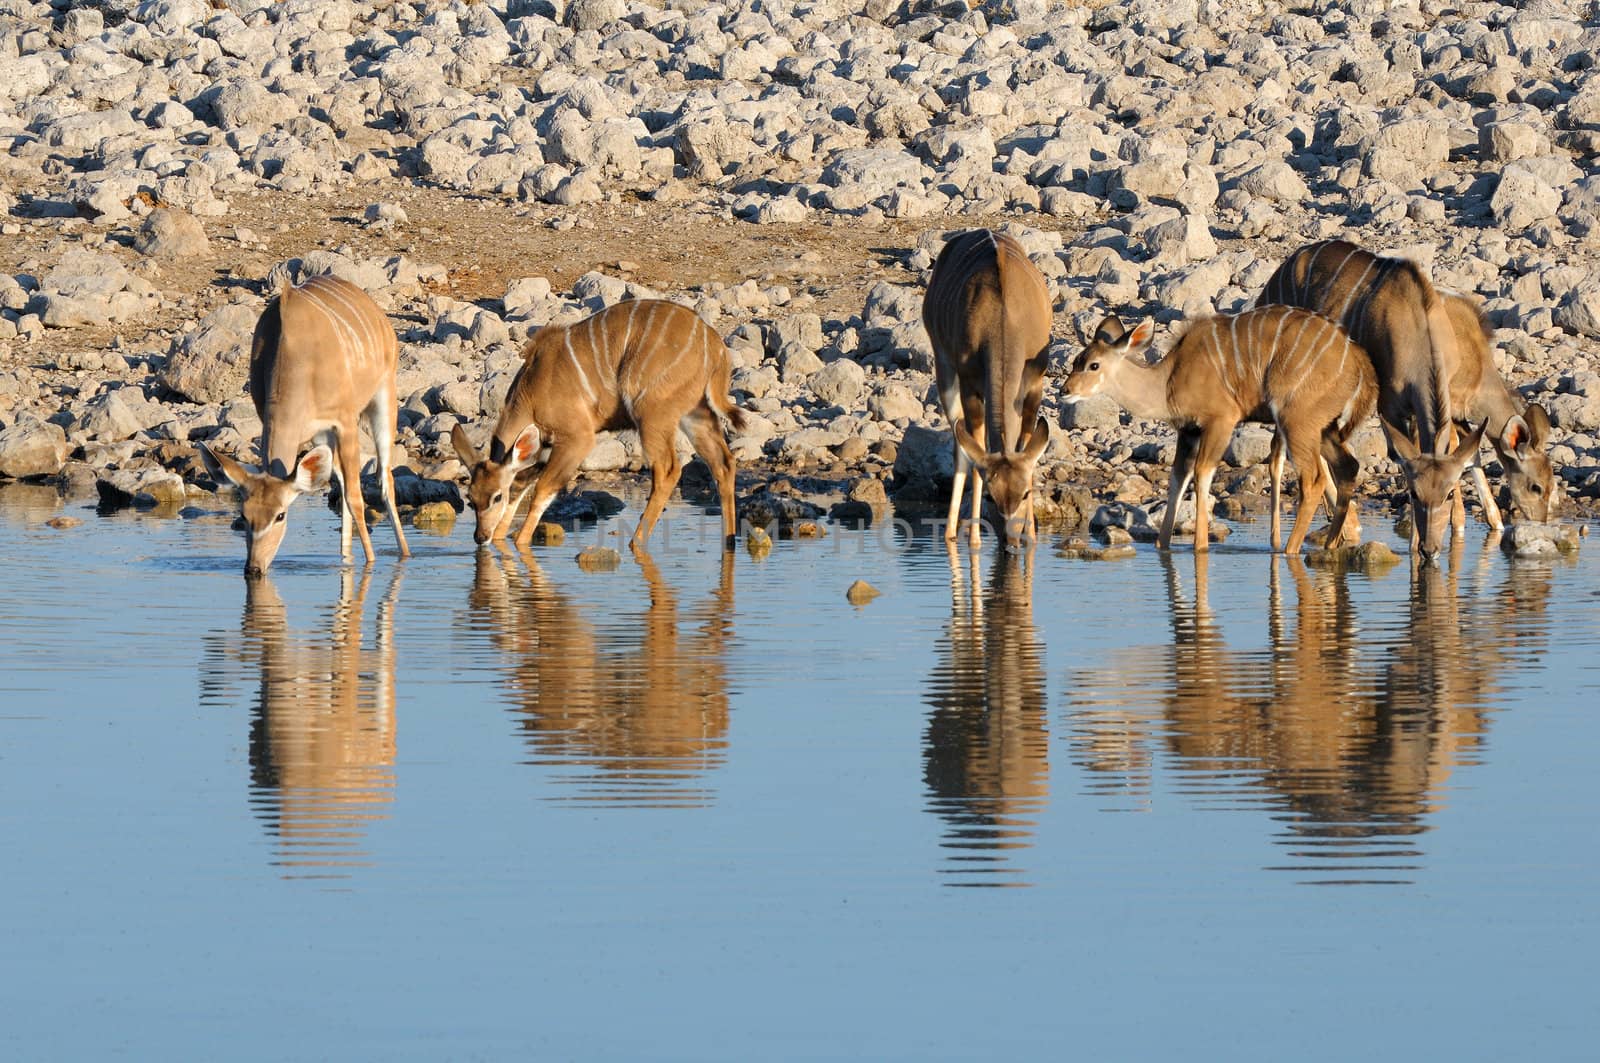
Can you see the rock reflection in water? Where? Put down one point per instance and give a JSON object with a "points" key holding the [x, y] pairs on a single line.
{"points": [[637, 703], [986, 753], [1348, 732], [322, 736]]}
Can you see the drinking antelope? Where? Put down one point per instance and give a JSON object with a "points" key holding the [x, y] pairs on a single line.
{"points": [[646, 364], [987, 313], [322, 360], [1392, 309], [1518, 432], [1290, 367]]}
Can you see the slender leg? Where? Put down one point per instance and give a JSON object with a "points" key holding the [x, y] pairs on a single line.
{"points": [[354, 504], [1207, 457], [565, 457], [1491, 512], [974, 536], [381, 416], [1275, 468], [664, 472], [1182, 470], [344, 510], [705, 432], [1308, 463], [957, 486]]}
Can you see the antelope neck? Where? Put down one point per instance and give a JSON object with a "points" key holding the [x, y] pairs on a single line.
{"points": [[1141, 389]]}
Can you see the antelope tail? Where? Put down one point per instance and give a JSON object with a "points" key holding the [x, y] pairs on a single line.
{"points": [[1442, 349], [717, 397]]}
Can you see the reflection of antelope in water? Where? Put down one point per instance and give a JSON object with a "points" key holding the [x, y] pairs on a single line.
{"points": [[986, 754], [322, 743], [1358, 731], [645, 706]]}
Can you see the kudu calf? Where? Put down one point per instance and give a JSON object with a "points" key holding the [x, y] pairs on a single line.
{"points": [[646, 364], [1295, 369], [1393, 310], [987, 312], [322, 360]]}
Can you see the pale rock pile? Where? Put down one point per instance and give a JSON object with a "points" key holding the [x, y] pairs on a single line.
{"points": [[1156, 157]]}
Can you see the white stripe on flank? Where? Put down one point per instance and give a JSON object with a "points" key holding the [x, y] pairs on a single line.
{"points": [[627, 334], [603, 348], [1356, 291], [572, 355], [348, 341]]}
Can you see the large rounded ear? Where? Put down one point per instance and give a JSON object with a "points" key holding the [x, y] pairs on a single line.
{"points": [[1037, 442], [1141, 336], [463, 446], [312, 471], [969, 446], [1109, 330], [220, 467], [1538, 426], [1467, 449], [1401, 442], [1443, 437], [526, 448]]}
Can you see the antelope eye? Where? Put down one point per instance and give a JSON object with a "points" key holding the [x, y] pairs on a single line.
{"points": [[1536, 489], [498, 495], [1093, 366], [279, 518]]}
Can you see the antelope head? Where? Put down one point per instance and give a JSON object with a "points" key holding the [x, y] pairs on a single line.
{"points": [[1433, 480], [1104, 353], [1530, 480], [1009, 475], [267, 498], [492, 490]]}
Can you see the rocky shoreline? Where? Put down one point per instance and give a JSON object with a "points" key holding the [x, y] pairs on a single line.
{"points": [[169, 164]]}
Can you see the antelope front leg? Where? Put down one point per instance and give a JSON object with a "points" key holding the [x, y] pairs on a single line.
{"points": [[1491, 512], [565, 458], [958, 486], [975, 536], [1208, 455], [354, 503], [1182, 470]]}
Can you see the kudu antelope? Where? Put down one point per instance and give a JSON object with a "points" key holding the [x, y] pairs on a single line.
{"points": [[1393, 310], [646, 364], [322, 360], [1519, 432], [1295, 369], [987, 312]]}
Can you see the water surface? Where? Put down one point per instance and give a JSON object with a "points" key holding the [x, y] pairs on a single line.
{"points": [[483, 804]]}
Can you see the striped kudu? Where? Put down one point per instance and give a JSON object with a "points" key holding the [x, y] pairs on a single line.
{"points": [[646, 364], [322, 360], [987, 312], [1518, 432], [1299, 371], [1393, 310]]}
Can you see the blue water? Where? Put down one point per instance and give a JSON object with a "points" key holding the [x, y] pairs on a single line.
{"points": [[484, 806]]}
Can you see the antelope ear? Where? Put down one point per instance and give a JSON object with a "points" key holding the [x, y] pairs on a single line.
{"points": [[1513, 438], [1037, 442], [463, 446], [526, 447], [1538, 420], [1467, 449], [1400, 441], [1442, 438], [969, 446], [220, 467], [1109, 330], [1140, 337], [312, 471]]}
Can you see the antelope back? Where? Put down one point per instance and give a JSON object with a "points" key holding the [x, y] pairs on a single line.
{"points": [[1279, 357], [987, 299], [324, 347], [629, 354], [1389, 307]]}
